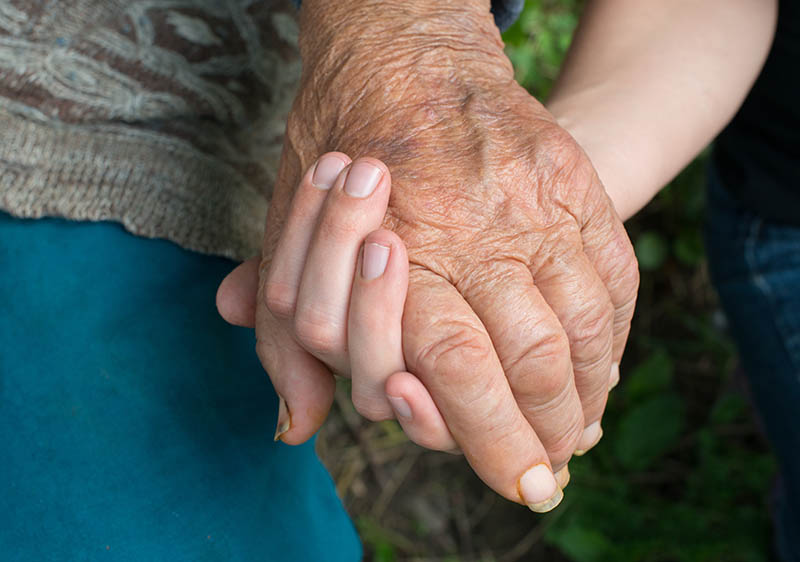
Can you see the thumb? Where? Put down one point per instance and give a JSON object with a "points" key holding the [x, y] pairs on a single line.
{"points": [[237, 294]]}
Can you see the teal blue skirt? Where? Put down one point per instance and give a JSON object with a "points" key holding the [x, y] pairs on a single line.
{"points": [[135, 424]]}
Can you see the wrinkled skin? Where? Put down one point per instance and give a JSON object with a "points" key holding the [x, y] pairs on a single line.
{"points": [[522, 281]]}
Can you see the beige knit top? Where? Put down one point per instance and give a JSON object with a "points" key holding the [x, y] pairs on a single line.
{"points": [[164, 115]]}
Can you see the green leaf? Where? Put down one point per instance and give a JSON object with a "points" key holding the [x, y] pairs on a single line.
{"points": [[649, 430], [652, 376], [651, 250], [728, 409]]}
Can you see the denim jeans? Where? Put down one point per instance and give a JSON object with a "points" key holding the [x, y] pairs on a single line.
{"points": [[755, 266]]}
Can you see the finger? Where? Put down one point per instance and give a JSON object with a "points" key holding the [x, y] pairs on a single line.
{"points": [[563, 477], [614, 376], [534, 352], [446, 346], [418, 414], [375, 322], [355, 206], [281, 357], [289, 257], [610, 252], [375, 343], [236, 295], [304, 385], [579, 298]]}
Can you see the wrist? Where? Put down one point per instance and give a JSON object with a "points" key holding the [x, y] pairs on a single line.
{"points": [[369, 39], [323, 22], [388, 69]]}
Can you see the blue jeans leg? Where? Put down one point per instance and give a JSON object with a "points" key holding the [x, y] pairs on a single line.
{"points": [[755, 266]]}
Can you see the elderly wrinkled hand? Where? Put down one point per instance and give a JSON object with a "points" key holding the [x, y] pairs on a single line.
{"points": [[522, 280]]}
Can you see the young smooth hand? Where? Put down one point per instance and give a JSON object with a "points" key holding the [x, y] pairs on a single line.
{"points": [[327, 242], [330, 256]]}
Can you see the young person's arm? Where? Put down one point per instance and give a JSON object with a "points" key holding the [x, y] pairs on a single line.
{"points": [[647, 84]]}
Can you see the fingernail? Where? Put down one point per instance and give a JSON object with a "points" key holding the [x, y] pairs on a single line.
{"points": [[591, 435], [562, 477], [400, 407], [362, 179], [375, 259], [614, 380], [284, 418], [326, 171], [539, 490]]}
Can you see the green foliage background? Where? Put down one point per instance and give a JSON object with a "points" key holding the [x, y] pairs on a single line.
{"points": [[681, 473]]}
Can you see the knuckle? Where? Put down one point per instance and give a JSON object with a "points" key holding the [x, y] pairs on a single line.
{"points": [[624, 283], [560, 146], [562, 157], [562, 447], [281, 299], [552, 357], [629, 276], [552, 388], [464, 345], [591, 336], [554, 347], [317, 333]]}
